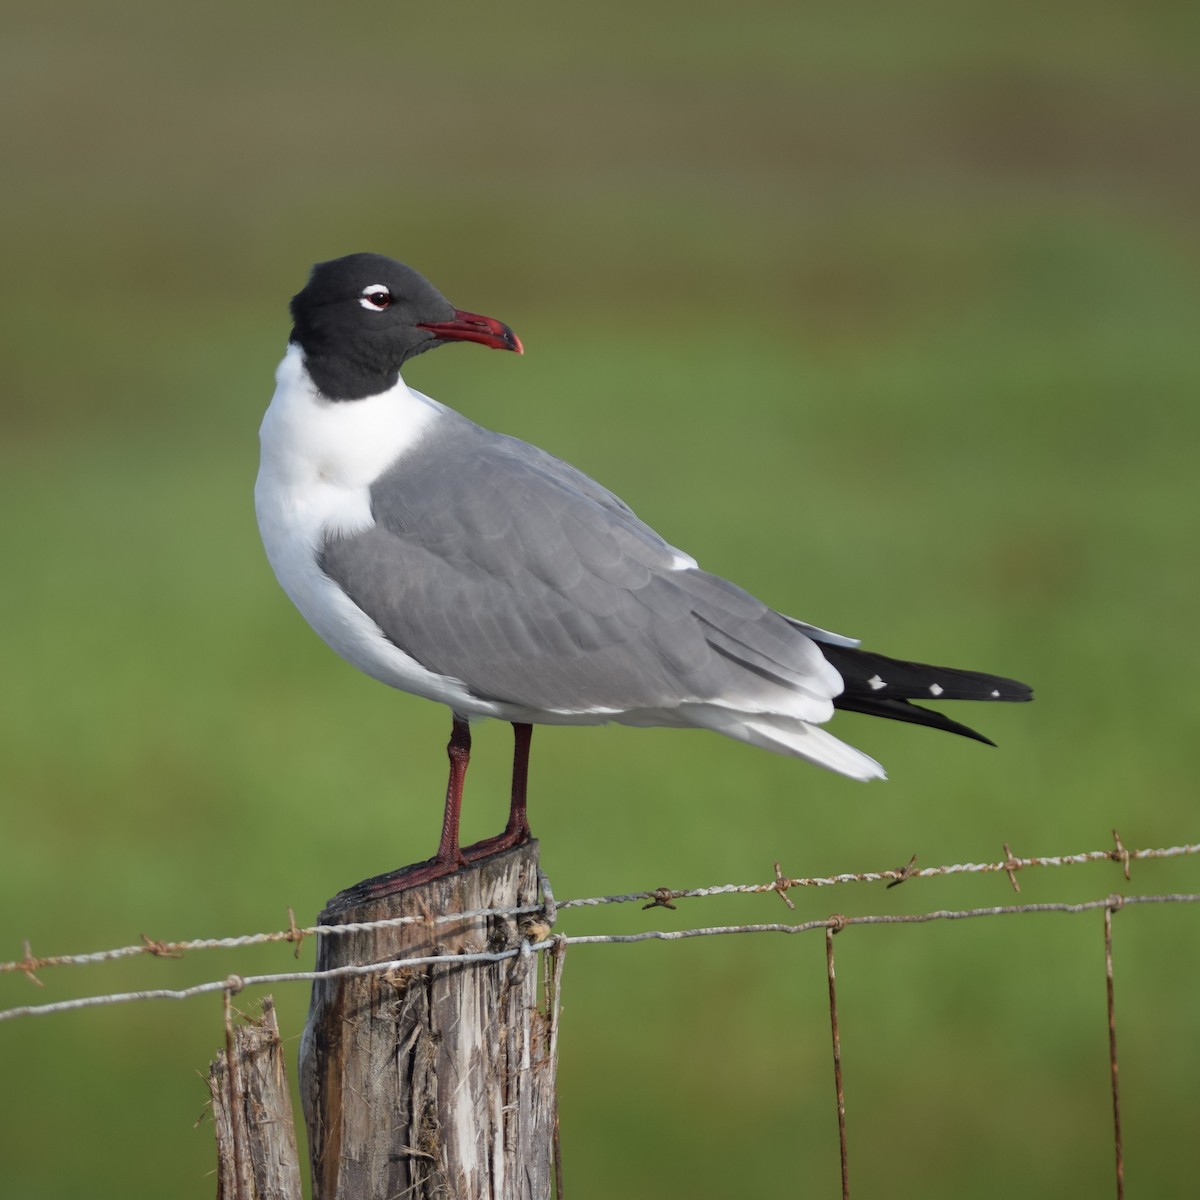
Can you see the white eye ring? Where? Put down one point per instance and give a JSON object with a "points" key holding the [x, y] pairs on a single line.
{"points": [[375, 297]]}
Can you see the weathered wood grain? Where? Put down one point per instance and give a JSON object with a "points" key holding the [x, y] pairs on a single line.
{"points": [[438, 1081], [252, 1113]]}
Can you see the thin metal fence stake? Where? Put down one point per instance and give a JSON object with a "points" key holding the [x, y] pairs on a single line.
{"points": [[1115, 903], [835, 926]]}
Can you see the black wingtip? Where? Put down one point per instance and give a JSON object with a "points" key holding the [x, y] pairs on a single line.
{"points": [[868, 674], [895, 709]]}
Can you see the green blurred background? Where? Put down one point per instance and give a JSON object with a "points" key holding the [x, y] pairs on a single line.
{"points": [[888, 311]]}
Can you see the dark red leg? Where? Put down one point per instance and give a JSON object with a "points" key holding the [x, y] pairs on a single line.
{"points": [[516, 832], [518, 822], [459, 752], [449, 857]]}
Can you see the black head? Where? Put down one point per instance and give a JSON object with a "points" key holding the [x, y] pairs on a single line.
{"points": [[359, 318]]}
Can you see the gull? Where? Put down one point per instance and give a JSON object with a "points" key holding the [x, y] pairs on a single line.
{"points": [[478, 571]]}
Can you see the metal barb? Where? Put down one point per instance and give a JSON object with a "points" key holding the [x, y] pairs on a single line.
{"points": [[904, 872], [159, 949], [1011, 866], [660, 898], [1120, 854], [29, 964], [294, 932], [781, 886]]}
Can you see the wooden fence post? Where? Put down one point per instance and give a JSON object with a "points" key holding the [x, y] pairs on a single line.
{"points": [[252, 1114], [434, 1081]]}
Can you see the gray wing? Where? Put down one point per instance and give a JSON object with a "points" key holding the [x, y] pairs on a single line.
{"points": [[499, 565]]}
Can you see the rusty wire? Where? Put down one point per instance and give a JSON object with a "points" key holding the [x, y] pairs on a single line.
{"points": [[541, 918], [30, 963], [837, 923], [237, 983]]}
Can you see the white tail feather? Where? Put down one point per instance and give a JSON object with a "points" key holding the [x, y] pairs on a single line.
{"points": [[788, 736]]}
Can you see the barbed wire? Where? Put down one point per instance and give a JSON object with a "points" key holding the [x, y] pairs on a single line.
{"points": [[236, 983], [538, 919], [30, 964]]}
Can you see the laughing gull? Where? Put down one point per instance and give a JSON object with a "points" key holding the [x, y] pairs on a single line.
{"points": [[476, 570]]}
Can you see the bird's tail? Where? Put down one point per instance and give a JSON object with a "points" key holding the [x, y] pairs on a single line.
{"points": [[786, 735], [884, 687]]}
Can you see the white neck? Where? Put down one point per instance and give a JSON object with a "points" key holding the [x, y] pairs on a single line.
{"points": [[319, 460], [309, 441]]}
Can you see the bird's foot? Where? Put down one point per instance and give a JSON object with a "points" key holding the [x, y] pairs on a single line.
{"points": [[496, 845], [402, 879]]}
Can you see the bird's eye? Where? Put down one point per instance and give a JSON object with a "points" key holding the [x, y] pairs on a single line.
{"points": [[375, 297]]}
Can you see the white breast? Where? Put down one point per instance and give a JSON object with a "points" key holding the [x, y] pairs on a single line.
{"points": [[319, 459]]}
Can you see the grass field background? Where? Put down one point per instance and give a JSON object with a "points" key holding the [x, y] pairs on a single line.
{"points": [[890, 314]]}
